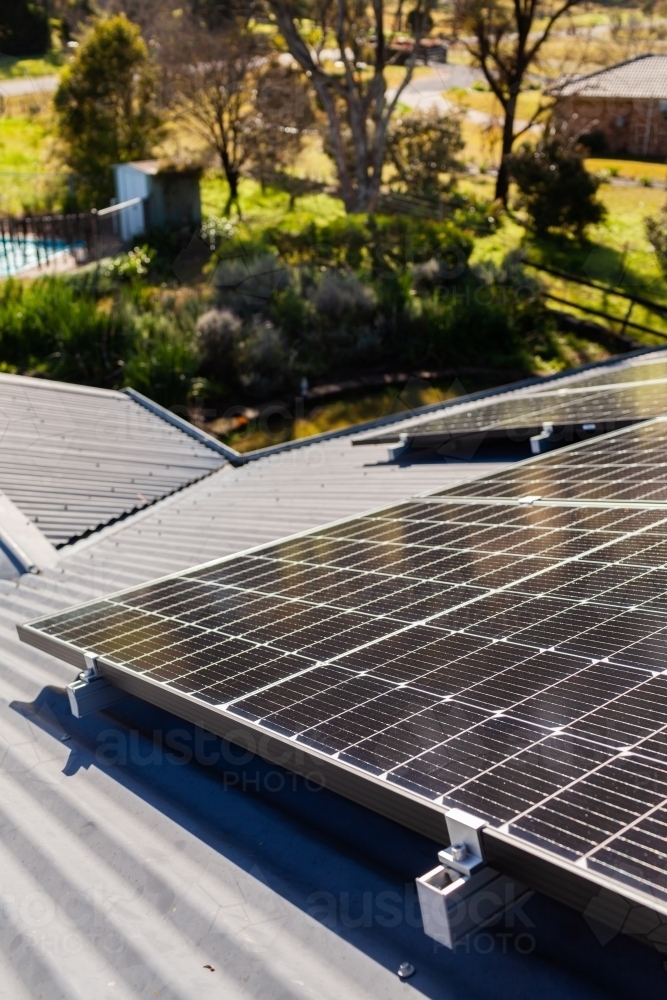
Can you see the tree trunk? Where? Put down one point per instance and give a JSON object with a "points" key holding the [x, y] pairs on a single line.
{"points": [[503, 178], [233, 199]]}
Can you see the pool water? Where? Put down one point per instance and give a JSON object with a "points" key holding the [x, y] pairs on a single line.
{"points": [[18, 255]]}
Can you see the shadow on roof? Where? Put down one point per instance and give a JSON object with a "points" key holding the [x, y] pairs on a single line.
{"points": [[346, 867]]}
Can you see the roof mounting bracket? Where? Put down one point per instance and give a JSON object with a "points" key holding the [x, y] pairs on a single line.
{"points": [[453, 905], [401, 448], [90, 692], [463, 894], [540, 442]]}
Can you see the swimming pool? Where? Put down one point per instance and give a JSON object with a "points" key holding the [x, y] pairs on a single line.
{"points": [[22, 254]]}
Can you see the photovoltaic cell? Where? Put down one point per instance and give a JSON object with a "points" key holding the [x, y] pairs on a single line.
{"points": [[468, 648], [602, 400]]}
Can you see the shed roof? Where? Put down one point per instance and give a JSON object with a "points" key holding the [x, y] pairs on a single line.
{"points": [[641, 78]]}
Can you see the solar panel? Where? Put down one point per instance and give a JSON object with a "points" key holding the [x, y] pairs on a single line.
{"points": [[621, 467], [581, 406], [498, 647]]}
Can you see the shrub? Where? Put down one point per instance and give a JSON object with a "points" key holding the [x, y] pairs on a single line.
{"points": [[264, 359], [163, 364], [496, 318], [83, 330], [422, 146], [656, 233], [555, 189], [370, 246], [129, 266], [340, 297], [49, 328], [246, 284], [218, 333]]}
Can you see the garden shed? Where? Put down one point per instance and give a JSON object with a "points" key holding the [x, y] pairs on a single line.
{"points": [[623, 107], [170, 193]]}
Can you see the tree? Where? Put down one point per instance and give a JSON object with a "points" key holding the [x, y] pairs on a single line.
{"points": [[505, 38], [422, 145], [656, 233], [24, 28], [554, 186], [234, 94], [353, 94], [105, 106]]}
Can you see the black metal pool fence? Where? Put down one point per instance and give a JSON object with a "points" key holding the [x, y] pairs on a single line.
{"points": [[35, 241]]}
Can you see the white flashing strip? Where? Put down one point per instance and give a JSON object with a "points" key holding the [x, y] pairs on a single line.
{"points": [[25, 543]]}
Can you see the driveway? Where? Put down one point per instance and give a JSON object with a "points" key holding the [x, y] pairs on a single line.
{"points": [[29, 85]]}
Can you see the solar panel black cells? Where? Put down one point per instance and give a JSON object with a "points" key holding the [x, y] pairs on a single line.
{"points": [[606, 404], [575, 406], [627, 467], [479, 652]]}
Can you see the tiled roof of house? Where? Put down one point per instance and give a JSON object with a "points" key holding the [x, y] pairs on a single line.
{"points": [[643, 77]]}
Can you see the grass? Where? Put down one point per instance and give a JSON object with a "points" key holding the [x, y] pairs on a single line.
{"points": [[353, 407], [616, 253], [13, 67], [629, 169], [265, 208], [23, 149], [485, 101]]}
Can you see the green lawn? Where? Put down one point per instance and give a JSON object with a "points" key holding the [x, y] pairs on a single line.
{"points": [[265, 208], [616, 253], [23, 181], [12, 67]]}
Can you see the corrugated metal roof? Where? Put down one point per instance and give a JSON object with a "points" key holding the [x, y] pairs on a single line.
{"points": [[142, 874], [74, 458], [127, 872], [643, 77]]}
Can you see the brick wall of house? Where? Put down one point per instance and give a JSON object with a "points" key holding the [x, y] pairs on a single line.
{"points": [[636, 127]]}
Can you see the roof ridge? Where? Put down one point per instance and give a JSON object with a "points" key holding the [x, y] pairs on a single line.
{"points": [[580, 77], [36, 382]]}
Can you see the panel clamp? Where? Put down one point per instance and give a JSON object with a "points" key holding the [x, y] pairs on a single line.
{"points": [[463, 894]]}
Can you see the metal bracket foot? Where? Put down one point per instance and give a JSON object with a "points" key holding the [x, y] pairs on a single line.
{"points": [[541, 442], [90, 692], [463, 894]]}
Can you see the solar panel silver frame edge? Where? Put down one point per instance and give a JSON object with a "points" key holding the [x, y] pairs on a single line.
{"points": [[549, 873]]}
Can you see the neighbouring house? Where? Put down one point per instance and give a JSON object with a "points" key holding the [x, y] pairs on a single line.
{"points": [[621, 109], [169, 192]]}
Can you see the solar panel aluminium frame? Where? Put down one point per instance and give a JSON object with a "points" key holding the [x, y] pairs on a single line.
{"points": [[556, 876]]}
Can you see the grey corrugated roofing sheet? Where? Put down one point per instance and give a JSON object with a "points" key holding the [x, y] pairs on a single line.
{"points": [[641, 78], [115, 879], [73, 458], [127, 872]]}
